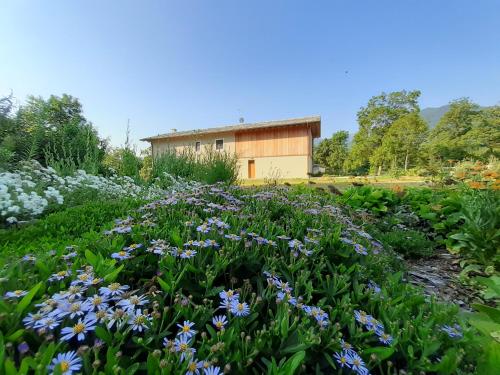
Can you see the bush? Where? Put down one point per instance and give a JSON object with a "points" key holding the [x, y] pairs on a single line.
{"points": [[375, 200], [409, 243], [210, 167], [478, 238]]}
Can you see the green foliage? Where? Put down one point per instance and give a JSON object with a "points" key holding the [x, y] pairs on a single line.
{"points": [[466, 131], [210, 167], [401, 143], [124, 162], [478, 238], [275, 337], [374, 120], [375, 200], [410, 243], [332, 153], [63, 226], [53, 132], [486, 320]]}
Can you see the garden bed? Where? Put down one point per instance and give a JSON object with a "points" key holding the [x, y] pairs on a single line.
{"points": [[274, 280]]}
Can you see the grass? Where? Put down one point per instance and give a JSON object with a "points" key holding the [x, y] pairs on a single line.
{"points": [[344, 182]]}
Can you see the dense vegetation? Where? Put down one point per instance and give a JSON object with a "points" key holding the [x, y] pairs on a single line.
{"points": [[193, 281], [393, 137]]}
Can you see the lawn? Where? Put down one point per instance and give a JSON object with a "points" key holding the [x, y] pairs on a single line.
{"points": [[344, 182]]}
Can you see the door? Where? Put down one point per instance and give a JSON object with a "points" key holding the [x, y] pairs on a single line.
{"points": [[251, 169]]}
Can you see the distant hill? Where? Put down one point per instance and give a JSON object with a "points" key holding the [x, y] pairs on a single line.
{"points": [[432, 115]]}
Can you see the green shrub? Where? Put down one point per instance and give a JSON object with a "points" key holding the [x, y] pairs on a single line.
{"points": [[478, 238], [409, 243], [375, 200], [61, 226], [209, 167]]}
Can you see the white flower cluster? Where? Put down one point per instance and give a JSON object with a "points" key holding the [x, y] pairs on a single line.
{"points": [[26, 193]]}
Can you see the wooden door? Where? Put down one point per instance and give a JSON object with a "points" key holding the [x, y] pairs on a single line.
{"points": [[251, 169]]}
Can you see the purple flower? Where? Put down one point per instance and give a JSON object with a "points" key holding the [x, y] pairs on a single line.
{"points": [[67, 363], [80, 329]]}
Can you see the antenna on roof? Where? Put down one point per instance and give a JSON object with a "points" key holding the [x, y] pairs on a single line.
{"points": [[173, 130], [242, 120]]}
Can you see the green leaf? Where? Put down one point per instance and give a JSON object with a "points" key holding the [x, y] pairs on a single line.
{"points": [[164, 286], [293, 363], [10, 368], [2, 349], [91, 258], [493, 314], [103, 334], [15, 335], [27, 298], [489, 363], [380, 351], [133, 369], [110, 277]]}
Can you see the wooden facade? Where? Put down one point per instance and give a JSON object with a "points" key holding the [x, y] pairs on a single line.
{"points": [[287, 141]]}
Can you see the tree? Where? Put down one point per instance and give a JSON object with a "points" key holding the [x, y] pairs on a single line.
{"points": [[374, 120], [447, 140], [482, 141], [332, 153], [56, 131], [401, 143]]}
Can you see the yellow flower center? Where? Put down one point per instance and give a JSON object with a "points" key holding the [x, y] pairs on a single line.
{"points": [[219, 325], [240, 307], [122, 253], [97, 301], [183, 347], [114, 286], [79, 328], [185, 328], [134, 300], [192, 366], [64, 366], [75, 307], [140, 319], [61, 273], [229, 294], [18, 292], [189, 252]]}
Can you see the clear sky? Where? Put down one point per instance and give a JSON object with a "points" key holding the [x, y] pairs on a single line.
{"points": [[194, 64]]}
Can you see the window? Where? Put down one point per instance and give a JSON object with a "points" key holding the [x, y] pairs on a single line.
{"points": [[219, 144], [197, 146]]}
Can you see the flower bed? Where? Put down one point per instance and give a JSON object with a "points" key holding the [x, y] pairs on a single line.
{"points": [[211, 279], [34, 189]]}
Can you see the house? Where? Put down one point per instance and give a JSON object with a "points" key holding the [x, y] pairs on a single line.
{"points": [[278, 149]]}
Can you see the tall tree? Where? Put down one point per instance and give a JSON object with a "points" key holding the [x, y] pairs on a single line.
{"points": [[331, 153], [447, 140], [401, 143], [374, 120], [482, 141], [55, 130]]}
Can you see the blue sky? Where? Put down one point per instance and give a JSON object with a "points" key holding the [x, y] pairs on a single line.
{"points": [[195, 64]]}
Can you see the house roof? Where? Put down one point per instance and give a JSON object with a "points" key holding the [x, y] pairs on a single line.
{"points": [[314, 121]]}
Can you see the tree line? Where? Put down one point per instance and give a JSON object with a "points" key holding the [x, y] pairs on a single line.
{"points": [[56, 133], [393, 137]]}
